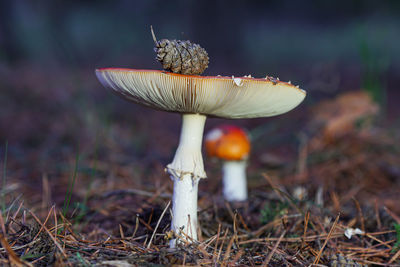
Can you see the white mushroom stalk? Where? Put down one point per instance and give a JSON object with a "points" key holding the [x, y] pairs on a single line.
{"points": [[186, 170], [196, 97], [234, 180], [188, 158]]}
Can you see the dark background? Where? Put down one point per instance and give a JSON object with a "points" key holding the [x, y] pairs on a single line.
{"points": [[52, 107], [240, 36]]}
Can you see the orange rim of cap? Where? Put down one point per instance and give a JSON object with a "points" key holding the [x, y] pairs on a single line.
{"points": [[228, 142]]}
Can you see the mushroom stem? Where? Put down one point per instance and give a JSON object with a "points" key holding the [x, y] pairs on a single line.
{"points": [[184, 209], [188, 158], [234, 180], [186, 170]]}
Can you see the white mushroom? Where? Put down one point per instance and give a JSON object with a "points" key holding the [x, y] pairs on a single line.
{"points": [[195, 97]]}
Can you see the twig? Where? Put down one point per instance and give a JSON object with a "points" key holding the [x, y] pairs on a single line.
{"points": [[307, 238], [45, 222], [243, 223], [16, 212], [136, 226], [23, 246], [269, 257], [235, 235], [205, 245], [146, 224], [216, 243], [326, 240], [377, 240], [360, 214], [222, 244], [203, 250], [262, 229], [392, 214], [48, 232], [236, 258], [121, 232], [306, 219], [229, 208], [152, 34], [228, 250], [395, 256], [158, 223], [13, 258], [378, 218]]}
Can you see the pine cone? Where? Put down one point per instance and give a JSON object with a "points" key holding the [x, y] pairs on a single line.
{"points": [[181, 56]]}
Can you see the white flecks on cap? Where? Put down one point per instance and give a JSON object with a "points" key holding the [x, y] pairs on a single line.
{"points": [[237, 81], [208, 95]]}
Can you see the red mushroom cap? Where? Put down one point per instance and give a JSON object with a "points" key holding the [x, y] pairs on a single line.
{"points": [[228, 142]]}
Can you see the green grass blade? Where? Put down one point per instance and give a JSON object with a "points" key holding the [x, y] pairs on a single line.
{"points": [[71, 185]]}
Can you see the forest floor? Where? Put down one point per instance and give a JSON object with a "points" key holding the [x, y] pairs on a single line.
{"points": [[83, 186]]}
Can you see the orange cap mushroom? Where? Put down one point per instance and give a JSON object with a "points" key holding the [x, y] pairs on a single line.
{"points": [[231, 144], [228, 142]]}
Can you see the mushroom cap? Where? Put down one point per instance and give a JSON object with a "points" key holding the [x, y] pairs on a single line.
{"points": [[217, 96], [227, 142]]}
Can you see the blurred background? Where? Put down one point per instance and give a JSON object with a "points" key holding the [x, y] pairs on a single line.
{"points": [[57, 121]]}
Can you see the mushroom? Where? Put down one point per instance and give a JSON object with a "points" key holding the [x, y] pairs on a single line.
{"points": [[232, 145], [196, 97]]}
